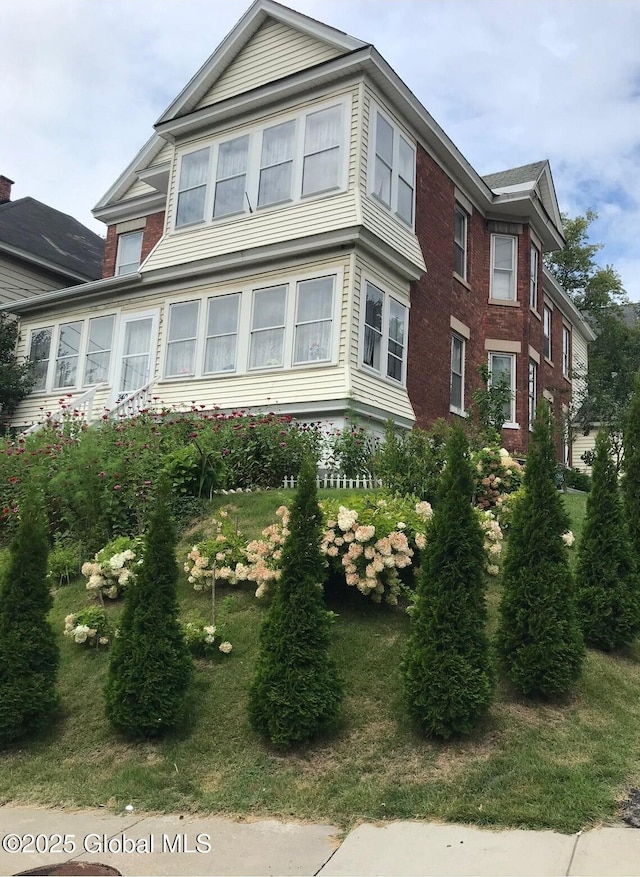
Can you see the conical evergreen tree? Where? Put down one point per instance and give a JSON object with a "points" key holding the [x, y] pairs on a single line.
{"points": [[296, 692], [28, 648], [150, 665], [448, 673], [539, 638], [631, 468], [607, 584]]}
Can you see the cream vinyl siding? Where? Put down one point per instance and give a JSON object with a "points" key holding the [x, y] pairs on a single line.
{"points": [[581, 444], [139, 188], [274, 51], [265, 390], [579, 361], [379, 219], [18, 282], [365, 386], [264, 226]]}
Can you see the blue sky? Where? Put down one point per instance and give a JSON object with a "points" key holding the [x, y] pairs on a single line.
{"points": [[83, 81]]}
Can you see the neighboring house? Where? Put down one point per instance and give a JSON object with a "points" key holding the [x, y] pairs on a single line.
{"points": [[42, 249], [300, 235]]}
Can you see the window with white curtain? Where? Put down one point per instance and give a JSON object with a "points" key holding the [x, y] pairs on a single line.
{"points": [[502, 366], [222, 334], [267, 327], [129, 252], [314, 317], [39, 353], [181, 344], [322, 146], [457, 373], [192, 189], [503, 267], [393, 174], [136, 356], [69, 337], [384, 334], [276, 164], [98, 356], [231, 176]]}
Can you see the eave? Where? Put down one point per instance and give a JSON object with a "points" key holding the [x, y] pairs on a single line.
{"points": [[72, 294], [39, 262], [143, 205]]}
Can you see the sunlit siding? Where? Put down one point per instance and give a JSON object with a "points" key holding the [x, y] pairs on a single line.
{"points": [[275, 51], [581, 444], [270, 226], [365, 386]]}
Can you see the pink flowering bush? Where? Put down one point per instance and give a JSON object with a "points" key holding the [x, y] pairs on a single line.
{"points": [[224, 553], [497, 475]]}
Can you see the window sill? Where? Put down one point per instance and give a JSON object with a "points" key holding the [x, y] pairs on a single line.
{"points": [[511, 426], [461, 280], [566, 377], [535, 313], [459, 412], [548, 361], [372, 373], [507, 302]]}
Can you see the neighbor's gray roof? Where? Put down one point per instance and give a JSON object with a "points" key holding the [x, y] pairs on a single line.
{"points": [[33, 229], [515, 175]]}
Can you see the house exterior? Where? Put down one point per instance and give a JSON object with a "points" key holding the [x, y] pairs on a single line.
{"points": [[299, 235], [42, 249]]}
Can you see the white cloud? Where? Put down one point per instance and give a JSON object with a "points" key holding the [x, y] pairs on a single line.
{"points": [[81, 84]]}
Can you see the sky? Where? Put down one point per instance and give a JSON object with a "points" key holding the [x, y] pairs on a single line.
{"points": [[511, 82]]}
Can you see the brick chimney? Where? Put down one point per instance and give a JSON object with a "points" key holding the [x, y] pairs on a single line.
{"points": [[5, 189]]}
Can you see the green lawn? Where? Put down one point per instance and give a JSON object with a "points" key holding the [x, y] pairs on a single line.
{"points": [[561, 765]]}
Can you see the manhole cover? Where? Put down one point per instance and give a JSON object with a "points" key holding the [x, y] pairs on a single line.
{"points": [[72, 869]]}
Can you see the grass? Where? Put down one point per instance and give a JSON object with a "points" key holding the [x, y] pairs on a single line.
{"points": [[537, 765]]}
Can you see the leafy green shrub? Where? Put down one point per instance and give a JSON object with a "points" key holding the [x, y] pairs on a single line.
{"points": [[353, 451], [89, 627], [28, 649], [539, 637], [205, 637], [114, 567], [225, 552], [631, 469], [411, 461], [193, 471], [64, 561], [150, 666], [607, 582], [577, 480], [296, 691], [448, 674]]}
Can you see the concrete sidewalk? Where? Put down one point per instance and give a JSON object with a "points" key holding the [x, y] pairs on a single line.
{"points": [[139, 844]]}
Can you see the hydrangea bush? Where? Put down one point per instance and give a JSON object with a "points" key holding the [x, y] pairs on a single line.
{"points": [[225, 552], [113, 567], [89, 627], [204, 639], [498, 473]]}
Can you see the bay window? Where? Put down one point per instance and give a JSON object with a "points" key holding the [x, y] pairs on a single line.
{"points": [[276, 164], [68, 355], [181, 344], [394, 168], [231, 176], [192, 188], [222, 334], [39, 353], [314, 312], [267, 327], [98, 358], [322, 142]]}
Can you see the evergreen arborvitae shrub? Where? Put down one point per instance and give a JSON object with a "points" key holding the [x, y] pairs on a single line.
{"points": [[448, 672], [539, 638], [28, 647], [607, 584], [631, 468], [150, 665], [296, 692]]}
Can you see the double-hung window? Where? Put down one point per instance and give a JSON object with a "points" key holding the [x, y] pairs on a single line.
{"points": [[503, 267], [546, 331], [39, 353], [276, 164], [68, 355], [394, 169], [502, 370], [460, 242], [457, 373], [98, 356], [222, 334], [268, 327], [384, 337], [566, 351], [314, 313], [231, 176], [534, 265], [192, 189], [322, 147], [181, 344], [533, 390], [129, 252]]}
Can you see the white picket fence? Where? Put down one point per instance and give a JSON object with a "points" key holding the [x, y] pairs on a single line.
{"points": [[337, 482]]}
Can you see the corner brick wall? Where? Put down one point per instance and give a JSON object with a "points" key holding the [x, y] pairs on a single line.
{"points": [[438, 295], [153, 231]]}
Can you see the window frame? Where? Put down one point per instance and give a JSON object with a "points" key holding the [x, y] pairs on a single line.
{"points": [[532, 390], [454, 409], [194, 338], [255, 133], [511, 423], [566, 351], [513, 290], [387, 297], [547, 329], [459, 211], [119, 264], [534, 277], [399, 135]]}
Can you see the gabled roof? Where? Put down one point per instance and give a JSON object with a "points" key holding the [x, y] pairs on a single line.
{"points": [[525, 181], [526, 173], [42, 236]]}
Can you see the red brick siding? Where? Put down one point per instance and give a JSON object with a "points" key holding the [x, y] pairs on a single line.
{"points": [[153, 231]]}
